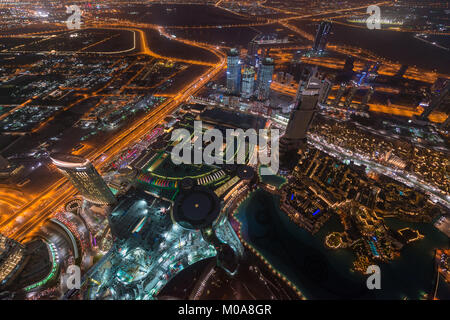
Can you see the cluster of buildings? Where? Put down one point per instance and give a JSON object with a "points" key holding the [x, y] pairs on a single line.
{"points": [[321, 185], [161, 223], [160, 218], [243, 82], [253, 75], [25, 266], [428, 163]]}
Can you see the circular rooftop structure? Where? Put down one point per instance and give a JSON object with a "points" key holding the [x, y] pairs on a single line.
{"points": [[245, 172], [196, 208], [66, 160], [187, 183], [230, 168]]}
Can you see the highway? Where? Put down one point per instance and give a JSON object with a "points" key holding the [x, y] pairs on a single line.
{"points": [[23, 223]]}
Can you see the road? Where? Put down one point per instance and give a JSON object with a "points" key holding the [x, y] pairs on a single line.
{"points": [[23, 223]]}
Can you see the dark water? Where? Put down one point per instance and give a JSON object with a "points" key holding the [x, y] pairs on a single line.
{"points": [[322, 273], [400, 47]]}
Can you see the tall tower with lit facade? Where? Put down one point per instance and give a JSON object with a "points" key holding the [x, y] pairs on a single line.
{"points": [[252, 53], [446, 123], [248, 82], [299, 122], [264, 79], [325, 90], [437, 100], [321, 39], [349, 64], [233, 72], [84, 177], [366, 99], [351, 94], [339, 94]]}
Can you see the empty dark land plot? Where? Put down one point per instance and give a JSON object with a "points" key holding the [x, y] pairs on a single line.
{"points": [[181, 79], [10, 42], [71, 41], [239, 36], [176, 49], [122, 40], [180, 15], [31, 28]]}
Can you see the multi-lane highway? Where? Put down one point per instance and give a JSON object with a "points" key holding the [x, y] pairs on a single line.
{"points": [[21, 225]]}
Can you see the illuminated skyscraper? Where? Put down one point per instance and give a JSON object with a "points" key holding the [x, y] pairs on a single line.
{"points": [[320, 42], [375, 67], [248, 82], [367, 97], [233, 72], [325, 90], [349, 64], [401, 72], [299, 122], [339, 94], [264, 79], [84, 177], [3, 162], [436, 101], [306, 73], [351, 95], [252, 53], [446, 123]]}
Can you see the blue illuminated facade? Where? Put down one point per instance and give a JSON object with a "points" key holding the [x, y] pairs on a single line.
{"points": [[233, 72]]}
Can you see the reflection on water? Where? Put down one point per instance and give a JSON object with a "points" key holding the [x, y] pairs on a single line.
{"points": [[322, 273]]}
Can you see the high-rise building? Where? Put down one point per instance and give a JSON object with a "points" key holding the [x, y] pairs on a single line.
{"points": [[13, 257], [306, 73], [401, 72], [349, 64], [339, 94], [3, 162], [252, 53], [265, 52], [233, 72], [351, 95], [84, 177], [367, 97], [280, 76], [299, 122], [264, 79], [248, 82], [439, 84], [436, 100], [297, 56], [320, 42], [375, 67], [288, 78], [446, 123], [325, 90]]}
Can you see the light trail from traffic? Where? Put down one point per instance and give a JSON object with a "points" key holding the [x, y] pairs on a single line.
{"points": [[44, 206]]}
